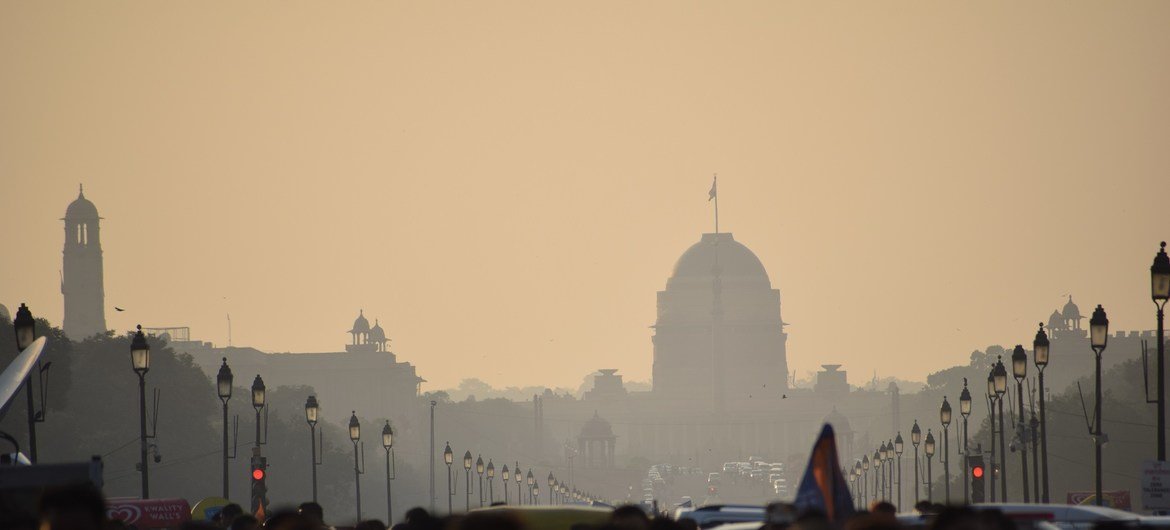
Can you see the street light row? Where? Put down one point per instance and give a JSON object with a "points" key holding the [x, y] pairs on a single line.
{"points": [[559, 491]]}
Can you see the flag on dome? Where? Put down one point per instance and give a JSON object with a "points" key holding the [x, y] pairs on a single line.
{"points": [[711, 194], [823, 487]]}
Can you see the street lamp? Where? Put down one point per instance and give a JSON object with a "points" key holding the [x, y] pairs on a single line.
{"points": [[944, 417], [479, 468], [467, 479], [899, 445], [355, 434], [1098, 337], [391, 468], [223, 386], [878, 472], [491, 474], [860, 484], [140, 362], [1020, 371], [929, 450], [259, 396], [516, 474], [965, 412], [915, 439], [864, 479], [312, 410], [1160, 293], [448, 458], [531, 484], [504, 474], [552, 481], [26, 332], [1040, 357], [1000, 382], [991, 397]]}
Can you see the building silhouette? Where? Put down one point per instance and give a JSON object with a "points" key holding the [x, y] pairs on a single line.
{"points": [[81, 272], [719, 336]]}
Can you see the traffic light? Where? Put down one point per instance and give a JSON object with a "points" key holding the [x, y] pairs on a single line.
{"points": [[259, 487], [978, 477]]}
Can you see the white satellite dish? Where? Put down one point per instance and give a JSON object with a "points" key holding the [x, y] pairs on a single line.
{"points": [[13, 377]]}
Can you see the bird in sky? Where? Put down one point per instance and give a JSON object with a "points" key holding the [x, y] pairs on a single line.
{"points": [[118, 308]]}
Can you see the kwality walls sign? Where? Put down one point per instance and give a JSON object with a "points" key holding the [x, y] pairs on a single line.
{"points": [[149, 513]]}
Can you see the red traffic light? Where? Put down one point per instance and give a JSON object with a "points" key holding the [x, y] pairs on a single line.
{"points": [[257, 474], [977, 472]]}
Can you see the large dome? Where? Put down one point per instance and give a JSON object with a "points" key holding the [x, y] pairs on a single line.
{"points": [[81, 208], [736, 261]]}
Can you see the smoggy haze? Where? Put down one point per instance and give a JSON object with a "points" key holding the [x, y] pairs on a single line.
{"points": [[506, 185]]}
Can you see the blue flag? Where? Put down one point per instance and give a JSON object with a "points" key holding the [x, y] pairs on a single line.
{"points": [[823, 487]]}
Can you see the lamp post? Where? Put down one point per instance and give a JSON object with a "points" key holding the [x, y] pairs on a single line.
{"points": [[965, 412], [991, 398], [1098, 336], [223, 387], [859, 496], [929, 450], [531, 484], [259, 396], [26, 333], [915, 439], [1034, 427], [1020, 371], [355, 434], [516, 473], [552, 481], [1160, 292], [491, 474], [864, 479], [1040, 357], [388, 445], [312, 409], [140, 361], [878, 478], [504, 474], [432, 461], [479, 469], [899, 445], [1000, 381], [944, 417], [467, 479], [448, 457]]}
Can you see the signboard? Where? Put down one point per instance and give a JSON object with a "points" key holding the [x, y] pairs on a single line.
{"points": [[1155, 485], [1114, 499], [149, 513], [207, 509]]}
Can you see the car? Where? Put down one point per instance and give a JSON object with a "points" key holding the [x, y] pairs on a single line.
{"points": [[713, 515], [1043, 516], [712, 478]]}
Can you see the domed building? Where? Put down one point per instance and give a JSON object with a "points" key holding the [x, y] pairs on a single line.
{"points": [[719, 339], [596, 443]]}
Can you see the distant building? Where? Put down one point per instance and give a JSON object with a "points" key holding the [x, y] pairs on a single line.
{"points": [[719, 338], [831, 381], [81, 273]]}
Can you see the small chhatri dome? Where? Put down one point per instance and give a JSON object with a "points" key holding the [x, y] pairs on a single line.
{"points": [[81, 208], [1055, 321], [1071, 311], [596, 427], [360, 325], [377, 334]]}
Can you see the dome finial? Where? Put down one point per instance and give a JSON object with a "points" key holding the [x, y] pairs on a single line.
{"points": [[80, 189]]}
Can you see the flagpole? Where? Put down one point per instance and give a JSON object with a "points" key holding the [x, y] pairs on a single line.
{"points": [[715, 186]]}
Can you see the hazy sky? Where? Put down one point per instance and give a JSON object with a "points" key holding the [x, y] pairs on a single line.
{"points": [[506, 184]]}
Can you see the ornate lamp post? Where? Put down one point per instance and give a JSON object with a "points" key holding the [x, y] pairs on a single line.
{"points": [[448, 458], [965, 412], [929, 477], [26, 332], [915, 439], [944, 417], [531, 484], [479, 469], [899, 445], [857, 485], [504, 474], [864, 479], [312, 409], [259, 395], [1040, 357], [1160, 292], [223, 387], [1020, 371], [879, 472], [991, 397], [1000, 382], [491, 474], [140, 361], [391, 469], [1098, 337], [467, 479], [355, 434]]}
